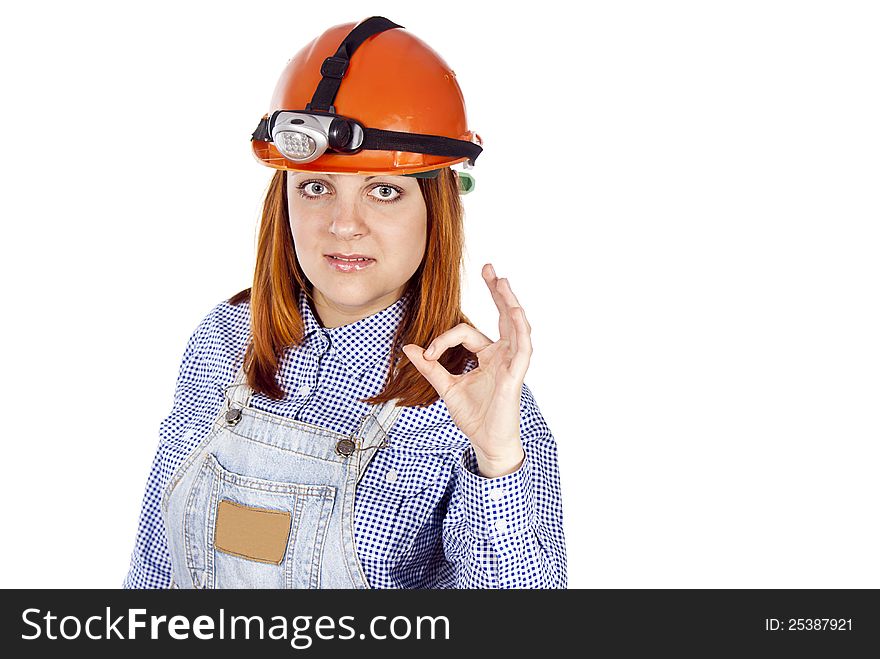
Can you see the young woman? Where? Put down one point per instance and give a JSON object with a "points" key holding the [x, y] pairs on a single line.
{"points": [[314, 442]]}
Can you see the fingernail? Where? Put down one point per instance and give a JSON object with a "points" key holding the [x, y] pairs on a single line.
{"points": [[430, 351]]}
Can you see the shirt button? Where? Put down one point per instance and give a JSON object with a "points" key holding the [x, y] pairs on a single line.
{"points": [[500, 525], [497, 494], [303, 390], [391, 475]]}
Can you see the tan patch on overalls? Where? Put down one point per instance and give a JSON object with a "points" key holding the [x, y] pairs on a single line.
{"points": [[259, 534]]}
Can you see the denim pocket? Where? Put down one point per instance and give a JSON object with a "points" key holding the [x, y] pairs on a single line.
{"points": [[225, 565]]}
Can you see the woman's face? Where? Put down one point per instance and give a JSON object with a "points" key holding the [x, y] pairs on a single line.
{"points": [[383, 218]]}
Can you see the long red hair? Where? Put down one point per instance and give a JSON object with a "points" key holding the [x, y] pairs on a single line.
{"points": [[433, 308]]}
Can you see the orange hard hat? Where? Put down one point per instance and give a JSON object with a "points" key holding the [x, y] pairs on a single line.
{"points": [[366, 98]]}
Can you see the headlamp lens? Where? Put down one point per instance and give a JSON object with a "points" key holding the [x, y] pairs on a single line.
{"points": [[295, 145]]}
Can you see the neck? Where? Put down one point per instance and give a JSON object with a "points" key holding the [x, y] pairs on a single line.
{"points": [[333, 314]]}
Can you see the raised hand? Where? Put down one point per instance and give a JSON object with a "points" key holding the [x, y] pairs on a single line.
{"points": [[485, 402]]}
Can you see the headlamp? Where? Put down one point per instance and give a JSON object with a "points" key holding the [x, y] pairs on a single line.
{"points": [[305, 136]]}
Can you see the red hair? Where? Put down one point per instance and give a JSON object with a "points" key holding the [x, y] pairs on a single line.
{"points": [[434, 306]]}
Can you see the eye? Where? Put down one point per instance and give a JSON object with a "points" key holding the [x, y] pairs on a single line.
{"points": [[386, 193], [312, 189]]}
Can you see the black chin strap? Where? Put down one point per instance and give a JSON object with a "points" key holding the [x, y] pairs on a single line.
{"points": [[334, 67]]}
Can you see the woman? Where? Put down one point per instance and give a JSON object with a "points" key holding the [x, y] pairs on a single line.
{"points": [[313, 443]]}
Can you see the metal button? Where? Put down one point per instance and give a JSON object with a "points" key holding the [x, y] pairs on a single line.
{"points": [[233, 416], [345, 447], [391, 475]]}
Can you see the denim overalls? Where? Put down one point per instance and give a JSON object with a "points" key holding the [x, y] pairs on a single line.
{"points": [[266, 501]]}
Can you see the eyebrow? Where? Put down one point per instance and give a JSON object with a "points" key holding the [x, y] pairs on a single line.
{"points": [[334, 175]]}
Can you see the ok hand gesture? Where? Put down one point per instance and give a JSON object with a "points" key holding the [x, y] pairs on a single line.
{"points": [[484, 403]]}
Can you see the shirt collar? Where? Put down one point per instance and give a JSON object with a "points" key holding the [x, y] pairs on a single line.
{"points": [[360, 344]]}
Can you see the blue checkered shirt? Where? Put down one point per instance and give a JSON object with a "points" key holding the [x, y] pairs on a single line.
{"points": [[424, 517]]}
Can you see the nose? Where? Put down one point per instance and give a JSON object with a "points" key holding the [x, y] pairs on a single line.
{"points": [[347, 220]]}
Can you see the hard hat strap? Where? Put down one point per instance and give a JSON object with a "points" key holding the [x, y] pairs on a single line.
{"points": [[333, 69], [376, 139]]}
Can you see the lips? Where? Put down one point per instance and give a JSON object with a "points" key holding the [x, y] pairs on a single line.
{"points": [[349, 257], [348, 262]]}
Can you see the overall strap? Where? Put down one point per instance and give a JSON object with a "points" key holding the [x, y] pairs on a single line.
{"points": [[375, 432], [238, 394]]}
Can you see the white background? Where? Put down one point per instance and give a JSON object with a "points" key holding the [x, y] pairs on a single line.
{"points": [[684, 196]]}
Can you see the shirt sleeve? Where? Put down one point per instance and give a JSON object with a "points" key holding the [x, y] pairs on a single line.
{"points": [[506, 532], [150, 560]]}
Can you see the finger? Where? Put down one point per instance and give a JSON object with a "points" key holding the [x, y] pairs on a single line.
{"points": [[522, 329], [432, 371], [502, 286], [462, 334], [507, 292], [505, 325], [520, 362]]}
